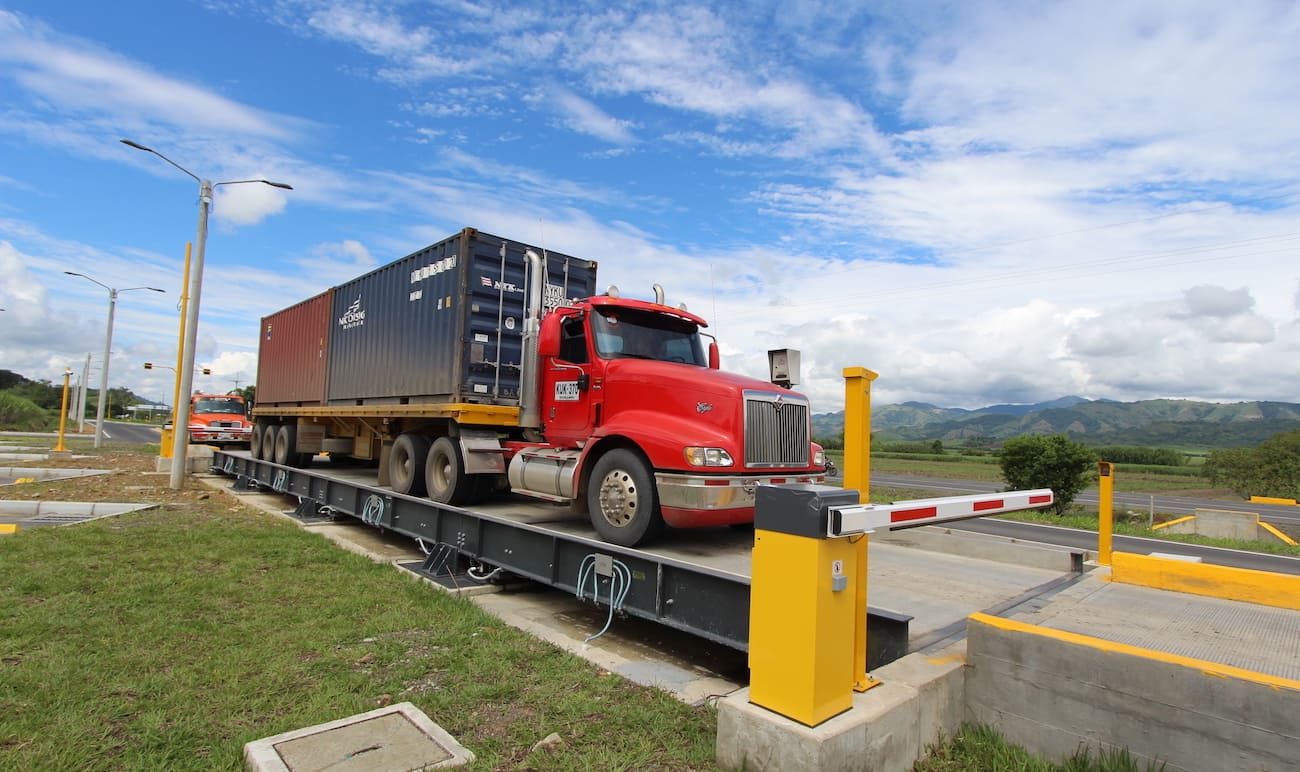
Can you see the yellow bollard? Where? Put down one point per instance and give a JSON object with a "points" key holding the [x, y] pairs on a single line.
{"points": [[857, 430], [63, 411], [857, 475], [1105, 510]]}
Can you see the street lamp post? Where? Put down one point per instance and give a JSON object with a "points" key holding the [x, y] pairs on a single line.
{"points": [[108, 347], [180, 429]]}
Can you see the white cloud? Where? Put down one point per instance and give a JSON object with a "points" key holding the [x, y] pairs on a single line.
{"points": [[78, 79], [584, 117]]}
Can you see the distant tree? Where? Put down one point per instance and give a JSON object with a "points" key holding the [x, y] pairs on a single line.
{"points": [[249, 393], [8, 379], [1270, 469], [1038, 461], [937, 447]]}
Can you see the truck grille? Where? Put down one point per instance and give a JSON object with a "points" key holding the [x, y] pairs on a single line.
{"points": [[776, 430]]}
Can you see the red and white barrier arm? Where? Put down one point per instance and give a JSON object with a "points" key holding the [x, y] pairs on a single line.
{"points": [[868, 518]]}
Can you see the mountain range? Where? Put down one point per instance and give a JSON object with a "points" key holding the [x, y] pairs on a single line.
{"points": [[1157, 422]]}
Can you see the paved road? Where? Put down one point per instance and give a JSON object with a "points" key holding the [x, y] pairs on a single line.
{"points": [[1279, 515], [117, 431], [1283, 516]]}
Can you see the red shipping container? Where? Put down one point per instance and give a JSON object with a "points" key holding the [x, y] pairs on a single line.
{"points": [[293, 354]]}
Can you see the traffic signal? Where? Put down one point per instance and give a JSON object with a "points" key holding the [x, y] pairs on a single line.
{"points": [[148, 365]]}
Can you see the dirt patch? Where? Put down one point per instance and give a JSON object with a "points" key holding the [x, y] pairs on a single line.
{"points": [[132, 479]]}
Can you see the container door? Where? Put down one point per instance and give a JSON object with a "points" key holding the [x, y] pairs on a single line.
{"points": [[571, 391]]}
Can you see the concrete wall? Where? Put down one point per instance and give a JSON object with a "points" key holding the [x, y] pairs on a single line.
{"points": [[1220, 524], [888, 728], [1052, 692]]}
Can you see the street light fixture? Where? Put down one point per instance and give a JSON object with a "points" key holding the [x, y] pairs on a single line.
{"points": [[181, 438], [108, 347]]}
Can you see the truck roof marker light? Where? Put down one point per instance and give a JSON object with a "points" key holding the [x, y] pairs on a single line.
{"points": [[613, 291]]}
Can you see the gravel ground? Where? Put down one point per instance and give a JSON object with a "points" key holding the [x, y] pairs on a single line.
{"points": [[132, 477]]}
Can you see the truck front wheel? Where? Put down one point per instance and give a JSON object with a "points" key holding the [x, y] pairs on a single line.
{"points": [[621, 499], [406, 467]]}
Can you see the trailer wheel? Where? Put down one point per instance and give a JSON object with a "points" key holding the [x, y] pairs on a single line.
{"points": [[406, 464], [286, 440], [269, 434], [444, 474], [621, 499], [255, 442]]}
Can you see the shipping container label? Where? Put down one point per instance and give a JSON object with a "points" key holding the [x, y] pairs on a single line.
{"points": [[433, 269], [566, 391], [355, 316]]}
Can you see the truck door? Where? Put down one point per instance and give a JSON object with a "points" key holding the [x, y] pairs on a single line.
{"points": [[571, 392]]}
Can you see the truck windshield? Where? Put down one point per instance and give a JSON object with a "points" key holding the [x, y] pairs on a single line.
{"points": [[631, 333], [215, 405]]}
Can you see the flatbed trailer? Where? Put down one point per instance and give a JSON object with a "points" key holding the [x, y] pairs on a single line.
{"points": [[696, 581]]}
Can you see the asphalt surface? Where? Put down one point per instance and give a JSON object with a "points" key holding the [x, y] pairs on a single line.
{"points": [[1284, 517], [1279, 515]]}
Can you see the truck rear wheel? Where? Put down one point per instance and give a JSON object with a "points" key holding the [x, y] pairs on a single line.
{"points": [[621, 499], [406, 464], [286, 443], [269, 434], [255, 442], [444, 474]]}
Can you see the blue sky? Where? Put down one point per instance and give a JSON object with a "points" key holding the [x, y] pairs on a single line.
{"points": [[983, 202]]}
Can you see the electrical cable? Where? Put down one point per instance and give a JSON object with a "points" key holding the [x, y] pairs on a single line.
{"points": [[620, 582]]}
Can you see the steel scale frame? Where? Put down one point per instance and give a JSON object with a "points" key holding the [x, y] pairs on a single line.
{"points": [[693, 598]]}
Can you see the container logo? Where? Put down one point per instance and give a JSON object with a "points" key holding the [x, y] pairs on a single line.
{"points": [[500, 286], [355, 316]]}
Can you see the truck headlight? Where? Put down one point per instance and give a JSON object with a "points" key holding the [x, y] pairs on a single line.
{"points": [[819, 458], [708, 457]]}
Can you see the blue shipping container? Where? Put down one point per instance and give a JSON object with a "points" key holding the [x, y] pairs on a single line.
{"points": [[442, 325]]}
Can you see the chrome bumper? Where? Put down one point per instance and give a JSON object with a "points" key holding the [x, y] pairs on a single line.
{"points": [[685, 491]]}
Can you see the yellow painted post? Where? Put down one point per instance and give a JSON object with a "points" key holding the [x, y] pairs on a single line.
{"points": [[801, 606], [857, 430], [857, 475], [1105, 510], [167, 437], [63, 412]]}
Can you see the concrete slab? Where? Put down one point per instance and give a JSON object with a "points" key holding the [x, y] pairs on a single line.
{"points": [[1258, 638], [36, 514], [12, 474], [1001, 549], [396, 737]]}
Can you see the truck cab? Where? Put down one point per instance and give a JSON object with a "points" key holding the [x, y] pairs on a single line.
{"points": [[643, 430], [219, 419]]}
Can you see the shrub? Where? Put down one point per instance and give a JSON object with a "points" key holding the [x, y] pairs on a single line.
{"points": [[22, 415]]}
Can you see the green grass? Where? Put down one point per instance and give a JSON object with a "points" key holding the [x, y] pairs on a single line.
{"points": [[167, 639], [1170, 480], [981, 748]]}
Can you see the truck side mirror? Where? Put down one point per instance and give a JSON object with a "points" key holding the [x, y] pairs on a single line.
{"points": [[548, 342], [584, 382], [715, 359]]}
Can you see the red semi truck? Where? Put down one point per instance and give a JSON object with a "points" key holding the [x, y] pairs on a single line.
{"points": [[480, 364]]}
